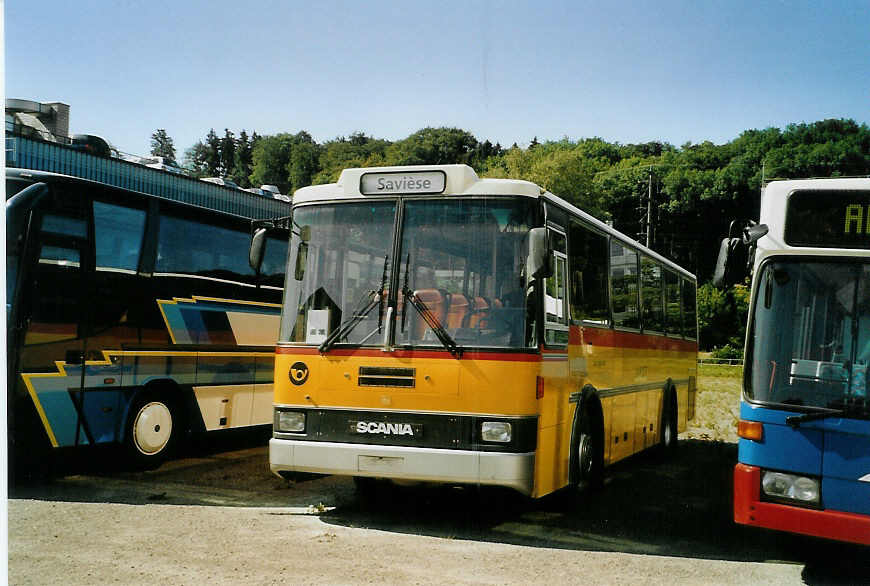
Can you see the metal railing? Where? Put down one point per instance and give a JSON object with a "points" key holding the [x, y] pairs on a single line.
{"points": [[722, 361]]}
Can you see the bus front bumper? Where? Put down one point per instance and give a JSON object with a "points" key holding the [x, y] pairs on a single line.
{"points": [[749, 509], [514, 471]]}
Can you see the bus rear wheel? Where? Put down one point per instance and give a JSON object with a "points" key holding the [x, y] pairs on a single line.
{"points": [[669, 424], [151, 430]]}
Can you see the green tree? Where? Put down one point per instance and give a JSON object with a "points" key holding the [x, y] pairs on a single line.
{"points": [[433, 146], [357, 150], [304, 161], [162, 145], [270, 156], [242, 160], [195, 160], [227, 153], [212, 154]]}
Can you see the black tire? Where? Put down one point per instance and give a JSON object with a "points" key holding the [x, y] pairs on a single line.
{"points": [[152, 428], [669, 424], [588, 452]]}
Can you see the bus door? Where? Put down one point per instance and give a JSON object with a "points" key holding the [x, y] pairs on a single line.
{"points": [[53, 321]]}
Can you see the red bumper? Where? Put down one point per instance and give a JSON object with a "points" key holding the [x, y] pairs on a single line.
{"points": [[749, 509]]}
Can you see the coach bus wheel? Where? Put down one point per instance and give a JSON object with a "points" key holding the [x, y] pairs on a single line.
{"points": [[151, 430], [590, 461], [669, 423]]}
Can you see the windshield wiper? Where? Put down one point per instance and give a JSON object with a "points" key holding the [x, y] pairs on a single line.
{"points": [[796, 420], [370, 300], [409, 296]]}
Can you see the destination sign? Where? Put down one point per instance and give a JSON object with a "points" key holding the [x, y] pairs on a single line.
{"points": [[829, 219], [414, 182]]}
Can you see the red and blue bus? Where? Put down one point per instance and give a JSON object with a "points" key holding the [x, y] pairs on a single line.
{"points": [[804, 448]]}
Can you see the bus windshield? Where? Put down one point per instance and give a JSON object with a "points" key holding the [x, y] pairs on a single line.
{"points": [[462, 258], [809, 343]]}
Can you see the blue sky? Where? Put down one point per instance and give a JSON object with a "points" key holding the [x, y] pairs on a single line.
{"points": [[505, 71]]}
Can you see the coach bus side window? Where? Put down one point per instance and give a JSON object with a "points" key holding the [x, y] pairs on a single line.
{"points": [[118, 234], [555, 302], [651, 291], [587, 259], [672, 304], [274, 262], [190, 247], [689, 325], [623, 277]]}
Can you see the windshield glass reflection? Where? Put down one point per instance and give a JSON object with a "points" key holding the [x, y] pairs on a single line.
{"points": [[464, 259], [810, 339], [344, 269]]}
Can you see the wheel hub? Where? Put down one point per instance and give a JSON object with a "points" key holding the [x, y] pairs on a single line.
{"points": [[152, 428]]}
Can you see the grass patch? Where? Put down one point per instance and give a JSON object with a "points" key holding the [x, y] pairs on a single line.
{"points": [[717, 405]]}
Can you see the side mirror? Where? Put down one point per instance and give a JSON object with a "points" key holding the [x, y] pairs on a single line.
{"points": [[753, 233], [258, 249], [736, 252], [538, 261], [723, 275]]}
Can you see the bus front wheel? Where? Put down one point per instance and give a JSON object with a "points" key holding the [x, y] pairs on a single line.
{"points": [[589, 457], [151, 430]]}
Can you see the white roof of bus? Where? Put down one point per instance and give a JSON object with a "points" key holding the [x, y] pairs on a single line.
{"points": [[773, 198], [461, 180]]}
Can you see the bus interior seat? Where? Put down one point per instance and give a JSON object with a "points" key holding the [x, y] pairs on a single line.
{"points": [[479, 311], [457, 310], [436, 301]]}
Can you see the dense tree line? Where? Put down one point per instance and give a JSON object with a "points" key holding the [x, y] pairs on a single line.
{"points": [[692, 192]]}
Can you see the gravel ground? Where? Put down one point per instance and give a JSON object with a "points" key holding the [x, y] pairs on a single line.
{"points": [[218, 516], [88, 543]]}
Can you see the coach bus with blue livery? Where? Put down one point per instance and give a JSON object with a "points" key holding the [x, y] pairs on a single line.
{"points": [[804, 447], [441, 327], [132, 319]]}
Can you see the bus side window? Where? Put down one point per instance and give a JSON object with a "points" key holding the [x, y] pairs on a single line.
{"points": [[555, 294], [651, 282], [688, 300], [189, 247], [587, 259], [623, 278], [274, 262], [673, 313], [118, 232]]}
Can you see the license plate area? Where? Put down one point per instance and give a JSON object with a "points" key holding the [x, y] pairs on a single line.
{"points": [[380, 464]]}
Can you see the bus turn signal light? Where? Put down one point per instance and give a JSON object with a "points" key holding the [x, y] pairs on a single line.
{"points": [[751, 430], [539, 387]]}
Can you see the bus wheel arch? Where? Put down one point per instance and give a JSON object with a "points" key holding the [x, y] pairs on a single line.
{"points": [[669, 424], [153, 424], [587, 442]]}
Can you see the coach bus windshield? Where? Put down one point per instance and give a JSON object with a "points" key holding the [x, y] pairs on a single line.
{"points": [[463, 259], [809, 343]]}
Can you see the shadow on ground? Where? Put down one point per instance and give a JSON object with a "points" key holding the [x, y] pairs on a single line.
{"points": [[674, 506]]}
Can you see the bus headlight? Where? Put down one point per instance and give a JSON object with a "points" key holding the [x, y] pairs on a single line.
{"points": [[495, 431], [790, 486], [289, 421]]}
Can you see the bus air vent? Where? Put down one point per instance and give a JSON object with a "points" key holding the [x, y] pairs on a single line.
{"points": [[380, 376]]}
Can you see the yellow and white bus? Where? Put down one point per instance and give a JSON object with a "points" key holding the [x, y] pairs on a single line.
{"points": [[439, 327]]}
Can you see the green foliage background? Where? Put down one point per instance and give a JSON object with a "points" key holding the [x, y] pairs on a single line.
{"points": [[697, 189]]}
